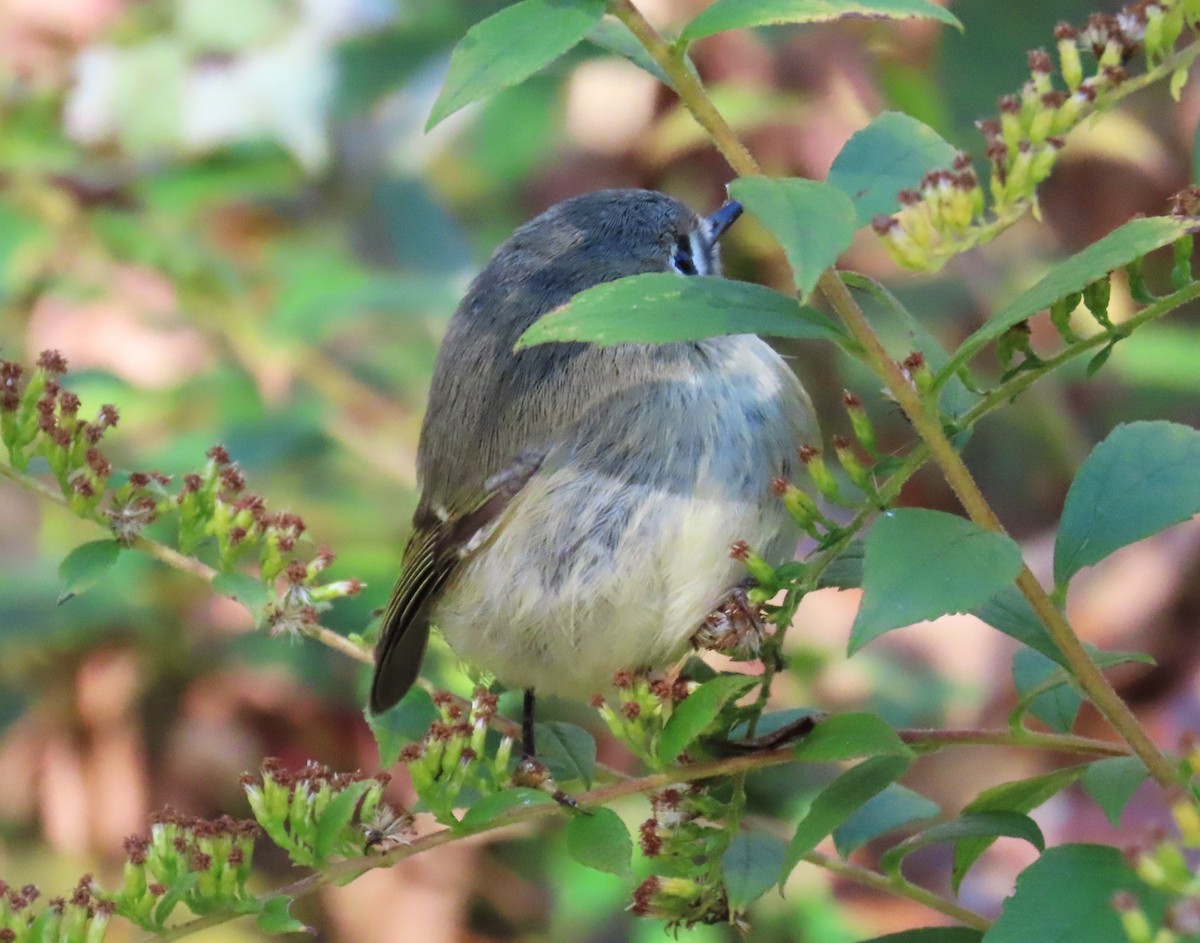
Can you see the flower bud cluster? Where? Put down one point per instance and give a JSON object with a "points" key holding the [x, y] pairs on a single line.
{"points": [[948, 214], [457, 754], [204, 864], [684, 839], [639, 710], [81, 919], [315, 812], [40, 418]]}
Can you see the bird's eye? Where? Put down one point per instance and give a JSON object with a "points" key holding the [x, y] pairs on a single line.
{"points": [[681, 257]]}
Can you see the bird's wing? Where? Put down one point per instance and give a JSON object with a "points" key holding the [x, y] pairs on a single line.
{"points": [[434, 551]]}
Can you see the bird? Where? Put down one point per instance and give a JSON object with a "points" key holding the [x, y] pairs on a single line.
{"points": [[578, 503]]}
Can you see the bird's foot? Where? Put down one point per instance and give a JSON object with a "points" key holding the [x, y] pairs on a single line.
{"points": [[532, 773], [735, 628], [765, 743]]}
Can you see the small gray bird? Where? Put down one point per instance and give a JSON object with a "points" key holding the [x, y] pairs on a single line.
{"points": [[579, 502]]}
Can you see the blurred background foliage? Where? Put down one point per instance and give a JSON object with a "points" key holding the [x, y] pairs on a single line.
{"points": [[227, 216]]}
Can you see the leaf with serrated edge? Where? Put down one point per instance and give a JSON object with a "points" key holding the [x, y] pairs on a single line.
{"points": [[1142, 479], [1118, 248], [894, 807], [977, 825], [750, 867], [661, 307], [739, 14], [1023, 795], [600, 840], [838, 801], [921, 564], [814, 222], [691, 717], [890, 154], [510, 46], [85, 566], [569, 751], [1111, 783], [849, 736], [500, 804]]}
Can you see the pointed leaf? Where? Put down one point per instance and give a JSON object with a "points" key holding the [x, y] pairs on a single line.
{"points": [[1066, 896], [978, 825], [1115, 250], [738, 14], [275, 917], [849, 736], [1056, 707], [569, 751], [85, 566], [246, 589], [890, 154], [1023, 796], [600, 840], [500, 804], [895, 806], [923, 564], [660, 307], [510, 46], [401, 725], [1142, 479], [931, 935], [838, 801], [750, 867], [1009, 612], [1112, 782], [692, 717], [814, 222]]}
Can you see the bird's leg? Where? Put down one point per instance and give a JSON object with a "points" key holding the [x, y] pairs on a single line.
{"points": [[734, 628], [765, 743], [528, 749], [532, 772]]}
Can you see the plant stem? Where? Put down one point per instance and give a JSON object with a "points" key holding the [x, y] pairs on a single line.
{"points": [[898, 886], [927, 423]]}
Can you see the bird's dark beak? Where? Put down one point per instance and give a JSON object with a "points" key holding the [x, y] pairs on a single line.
{"points": [[723, 218]]}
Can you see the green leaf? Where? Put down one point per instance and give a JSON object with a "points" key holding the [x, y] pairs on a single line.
{"points": [[1142, 479], [750, 866], [895, 806], [403, 724], [85, 566], [977, 825], [922, 564], [1112, 782], [614, 36], [1009, 612], [1023, 795], [890, 154], [693, 716], [500, 804], [813, 221], [1119, 247], [246, 589], [331, 826], [568, 751], [1066, 896], [738, 14], [931, 935], [275, 918], [1056, 707], [834, 805], [848, 736], [846, 569], [510, 46], [600, 840], [660, 307]]}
